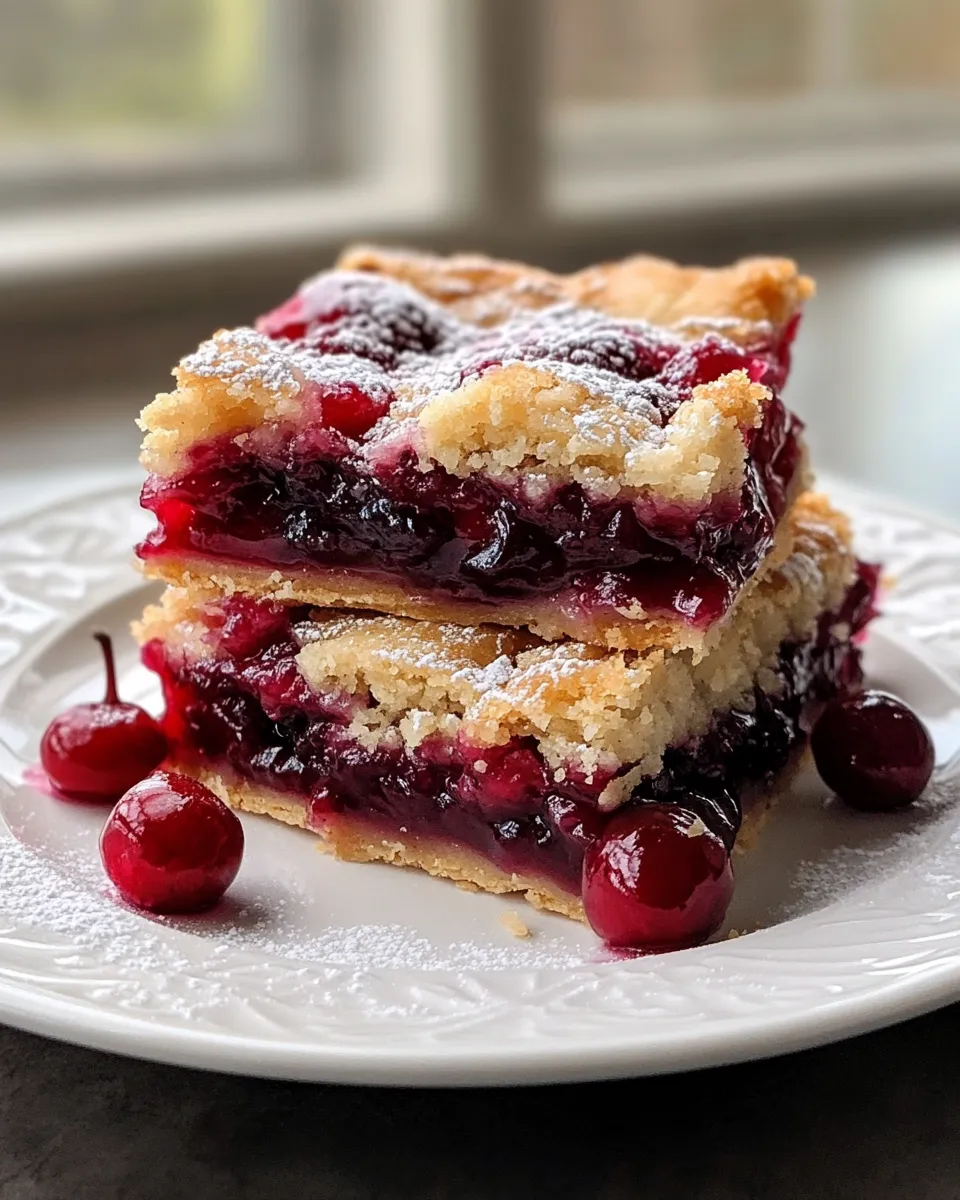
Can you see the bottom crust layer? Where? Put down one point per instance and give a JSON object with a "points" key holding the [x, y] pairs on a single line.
{"points": [[352, 839], [338, 589]]}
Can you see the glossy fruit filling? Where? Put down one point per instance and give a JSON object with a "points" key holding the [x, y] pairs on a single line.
{"points": [[322, 494], [472, 539], [247, 712]]}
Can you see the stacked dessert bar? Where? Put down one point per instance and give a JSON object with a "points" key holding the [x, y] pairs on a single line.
{"points": [[463, 557]]}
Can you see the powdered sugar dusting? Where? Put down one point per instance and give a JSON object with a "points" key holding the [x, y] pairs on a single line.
{"points": [[244, 359], [187, 960], [75, 905], [870, 849], [384, 338]]}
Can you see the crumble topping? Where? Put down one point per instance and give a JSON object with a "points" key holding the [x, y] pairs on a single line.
{"points": [[515, 414], [572, 381], [592, 708], [745, 299]]}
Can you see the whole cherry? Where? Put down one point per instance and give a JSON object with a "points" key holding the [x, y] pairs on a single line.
{"points": [[170, 845], [873, 751], [656, 879], [97, 751]]}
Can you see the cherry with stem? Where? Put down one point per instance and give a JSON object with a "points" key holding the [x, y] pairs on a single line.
{"points": [[96, 751]]}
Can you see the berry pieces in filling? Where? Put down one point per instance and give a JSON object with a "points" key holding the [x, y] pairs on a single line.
{"points": [[563, 468], [489, 756]]}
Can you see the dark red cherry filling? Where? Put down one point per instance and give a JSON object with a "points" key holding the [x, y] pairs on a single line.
{"points": [[252, 716], [170, 845], [873, 751], [313, 496], [472, 539], [96, 751], [345, 409]]}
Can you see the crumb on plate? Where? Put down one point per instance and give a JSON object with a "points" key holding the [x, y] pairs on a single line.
{"points": [[512, 922]]}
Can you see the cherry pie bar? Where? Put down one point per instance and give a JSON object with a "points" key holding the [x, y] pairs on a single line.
{"points": [[602, 456], [490, 755], [506, 575]]}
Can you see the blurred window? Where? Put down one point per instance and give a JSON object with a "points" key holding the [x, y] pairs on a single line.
{"points": [[128, 95], [380, 114], [648, 51], [635, 86], [899, 44]]}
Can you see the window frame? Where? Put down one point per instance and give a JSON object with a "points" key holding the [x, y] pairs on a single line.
{"points": [[842, 142], [445, 139], [65, 173]]}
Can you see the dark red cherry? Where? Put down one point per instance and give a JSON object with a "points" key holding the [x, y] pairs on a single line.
{"points": [[349, 410], [656, 879], [170, 845], [504, 779], [705, 361], [873, 751], [97, 751], [287, 321]]}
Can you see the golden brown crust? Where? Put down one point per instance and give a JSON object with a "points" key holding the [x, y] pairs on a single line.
{"points": [[352, 839], [751, 292], [585, 706], [484, 291]]}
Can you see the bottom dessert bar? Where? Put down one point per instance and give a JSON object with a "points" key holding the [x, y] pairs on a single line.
{"points": [[485, 754]]}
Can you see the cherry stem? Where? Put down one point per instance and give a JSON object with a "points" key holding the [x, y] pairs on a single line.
{"points": [[112, 697]]}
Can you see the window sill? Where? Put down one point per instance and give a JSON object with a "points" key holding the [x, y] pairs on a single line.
{"points": [[76, 243]]}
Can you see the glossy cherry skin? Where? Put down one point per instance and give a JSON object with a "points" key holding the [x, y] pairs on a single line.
{"points": [[348, 410], [170, 845], [97, 751], [873, 751], [656, 879]]}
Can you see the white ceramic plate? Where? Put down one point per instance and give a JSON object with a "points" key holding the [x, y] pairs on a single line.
{"points": [[316, 969]]}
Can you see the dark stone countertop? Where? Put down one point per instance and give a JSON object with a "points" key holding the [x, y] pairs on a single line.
{"points": [[877, 1117]]}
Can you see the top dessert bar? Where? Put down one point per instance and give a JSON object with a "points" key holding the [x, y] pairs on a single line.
{"points": [[603, 455]]}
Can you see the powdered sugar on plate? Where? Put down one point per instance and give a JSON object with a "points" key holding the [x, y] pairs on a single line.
{"points": [[56, 884]]}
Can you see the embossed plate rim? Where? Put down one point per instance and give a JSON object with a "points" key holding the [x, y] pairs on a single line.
{"points": [[538, 1026]]}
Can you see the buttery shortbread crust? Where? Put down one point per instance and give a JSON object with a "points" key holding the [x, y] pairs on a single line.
{"points": [[738, 298]]}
